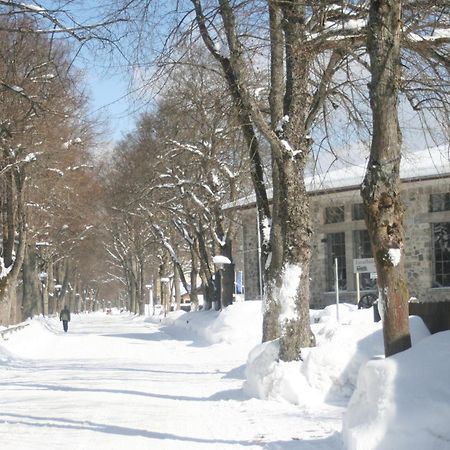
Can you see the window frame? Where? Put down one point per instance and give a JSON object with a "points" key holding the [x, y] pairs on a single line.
{"points": [[439, 201], [444, 272], [329, 261], [356, 209], [334, 214]]}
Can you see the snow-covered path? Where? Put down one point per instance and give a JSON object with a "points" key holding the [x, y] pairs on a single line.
{"points": [[114, 382]]}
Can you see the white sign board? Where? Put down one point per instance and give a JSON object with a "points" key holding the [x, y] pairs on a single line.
{"points": [[364, 265]]}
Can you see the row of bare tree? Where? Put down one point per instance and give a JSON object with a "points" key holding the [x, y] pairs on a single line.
{"points": [[167, 184], [293, 70], [47, 181], [259, 87]]}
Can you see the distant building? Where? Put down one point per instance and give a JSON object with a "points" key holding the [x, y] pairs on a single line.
{"points": [[340, 232]]}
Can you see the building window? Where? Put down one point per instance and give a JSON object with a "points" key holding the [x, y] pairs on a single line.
{"points": [[336, 249], [357, 211], [362, 249], [441, 243], [440, 202], [239, 282], [334, 214]]}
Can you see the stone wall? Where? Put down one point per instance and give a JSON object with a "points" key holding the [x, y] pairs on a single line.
{"points": [[419, 248]]}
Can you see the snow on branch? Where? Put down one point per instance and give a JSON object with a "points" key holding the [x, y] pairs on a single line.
{"points": [[31, 157], [4, 271], [166, 243], [188, 147], [59, 21]]}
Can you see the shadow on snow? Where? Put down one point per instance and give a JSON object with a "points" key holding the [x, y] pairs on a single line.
{"points": [[232, 394], [327, 443]]}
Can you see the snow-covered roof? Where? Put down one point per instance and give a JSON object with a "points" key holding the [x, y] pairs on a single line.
{"points": [[430, 163]]}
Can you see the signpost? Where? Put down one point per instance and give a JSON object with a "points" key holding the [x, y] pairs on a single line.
{"points": [[363, 265]]}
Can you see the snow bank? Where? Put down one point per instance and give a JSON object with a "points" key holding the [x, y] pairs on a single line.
{"points": [[329, 371], [240, 323], [403, 402], [399, 403], [43, 333]]}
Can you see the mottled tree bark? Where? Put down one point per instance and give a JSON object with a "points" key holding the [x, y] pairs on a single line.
{"points": [[30, 288], [292, 112], [293, 203], [380, 190], [13, 211], [194, 275], [176, 287], [227, 276], [271, 325], [165, 288]]}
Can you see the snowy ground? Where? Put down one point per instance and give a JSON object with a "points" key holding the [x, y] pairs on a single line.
{"points": [[201, 381], [114, 382]]}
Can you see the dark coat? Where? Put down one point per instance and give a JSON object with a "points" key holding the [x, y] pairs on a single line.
{"points": [[65, 314]]}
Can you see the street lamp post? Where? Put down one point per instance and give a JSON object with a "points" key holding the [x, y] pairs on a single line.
{"points": [[220, 261], [151, 306]]}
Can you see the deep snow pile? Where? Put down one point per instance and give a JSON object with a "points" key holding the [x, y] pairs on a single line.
{"points": [[398, 403], [403, 402], [240, 323]]}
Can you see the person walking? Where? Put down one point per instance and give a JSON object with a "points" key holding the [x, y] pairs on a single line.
{"points": [[64, 316]]}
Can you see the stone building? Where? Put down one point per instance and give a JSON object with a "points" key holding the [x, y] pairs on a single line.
{"points": [[340, 232]]}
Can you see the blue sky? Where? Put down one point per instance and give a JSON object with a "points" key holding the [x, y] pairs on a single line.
{"points": [[105, 73], [109, 100]]}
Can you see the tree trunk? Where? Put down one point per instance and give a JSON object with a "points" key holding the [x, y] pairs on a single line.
{"points": [[227, 276], [76, 296], [176, 282], [193, 295], [287, 283], [30, 294], [380, 189], [16, 305], [271, 310], [141, 287], [164, 283], [14, 218], [62, 295], [132, 294], [209, 287], [289, 270], [7, 296], [51, 289]]}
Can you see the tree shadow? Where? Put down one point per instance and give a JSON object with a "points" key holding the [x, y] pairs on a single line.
{"points": [[165, 333], [86, 425], [154, 336], [332, 442], [82, 366], [238, 373], [231, 394], [345, 383]]}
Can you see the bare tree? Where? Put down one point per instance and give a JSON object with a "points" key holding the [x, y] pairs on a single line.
{"points": [[184, 161], [304, 59], [44, 140], [380, 190]]}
